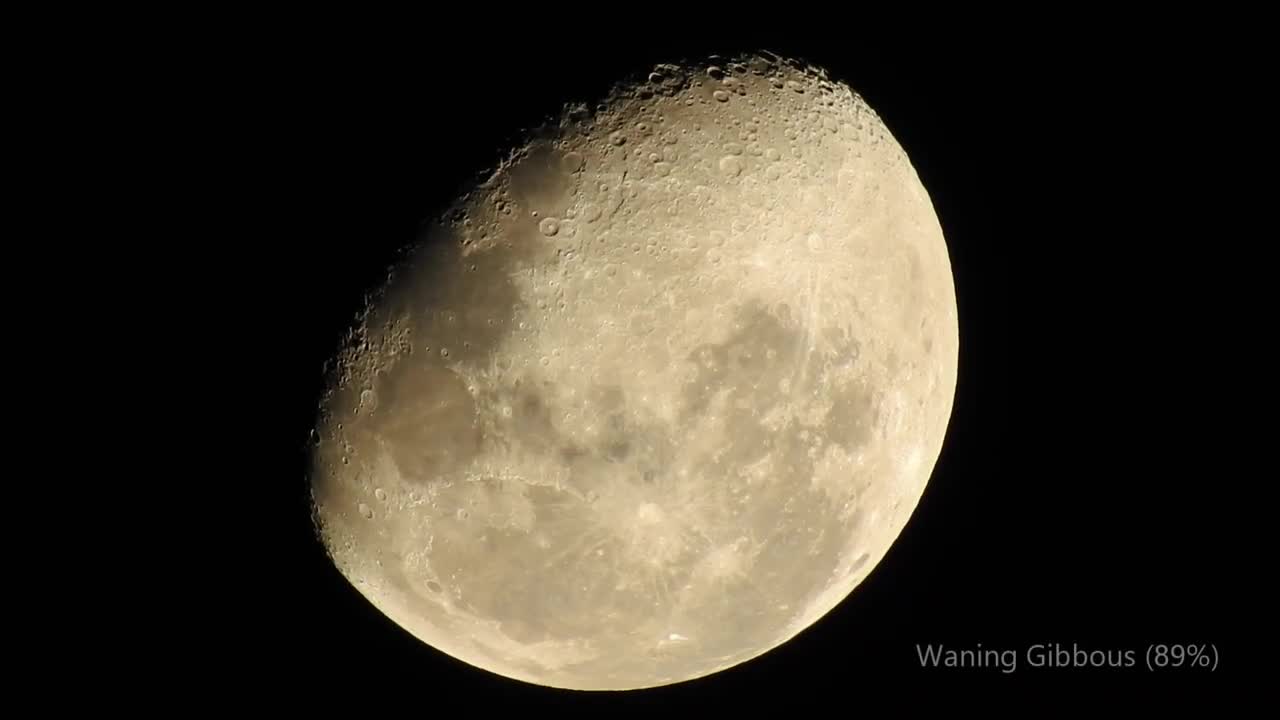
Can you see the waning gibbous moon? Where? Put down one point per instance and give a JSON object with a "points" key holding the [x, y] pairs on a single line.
{"points": [[657, 394]]}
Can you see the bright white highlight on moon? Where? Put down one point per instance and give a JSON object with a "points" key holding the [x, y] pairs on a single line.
{"points": [[658, 394]]}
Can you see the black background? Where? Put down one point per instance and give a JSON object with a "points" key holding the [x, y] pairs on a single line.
{"points": [[1084, 491]]}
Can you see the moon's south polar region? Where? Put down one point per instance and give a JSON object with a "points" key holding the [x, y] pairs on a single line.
{"points": [[654, 396]]}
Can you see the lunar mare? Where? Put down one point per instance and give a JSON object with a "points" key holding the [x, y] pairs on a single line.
{"points": [[657, 394]]}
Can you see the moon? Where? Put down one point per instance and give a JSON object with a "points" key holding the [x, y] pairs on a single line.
{"points": [[656, 394]]}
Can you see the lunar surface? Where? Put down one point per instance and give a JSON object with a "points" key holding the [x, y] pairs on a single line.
{"points": [[657, 393]]}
